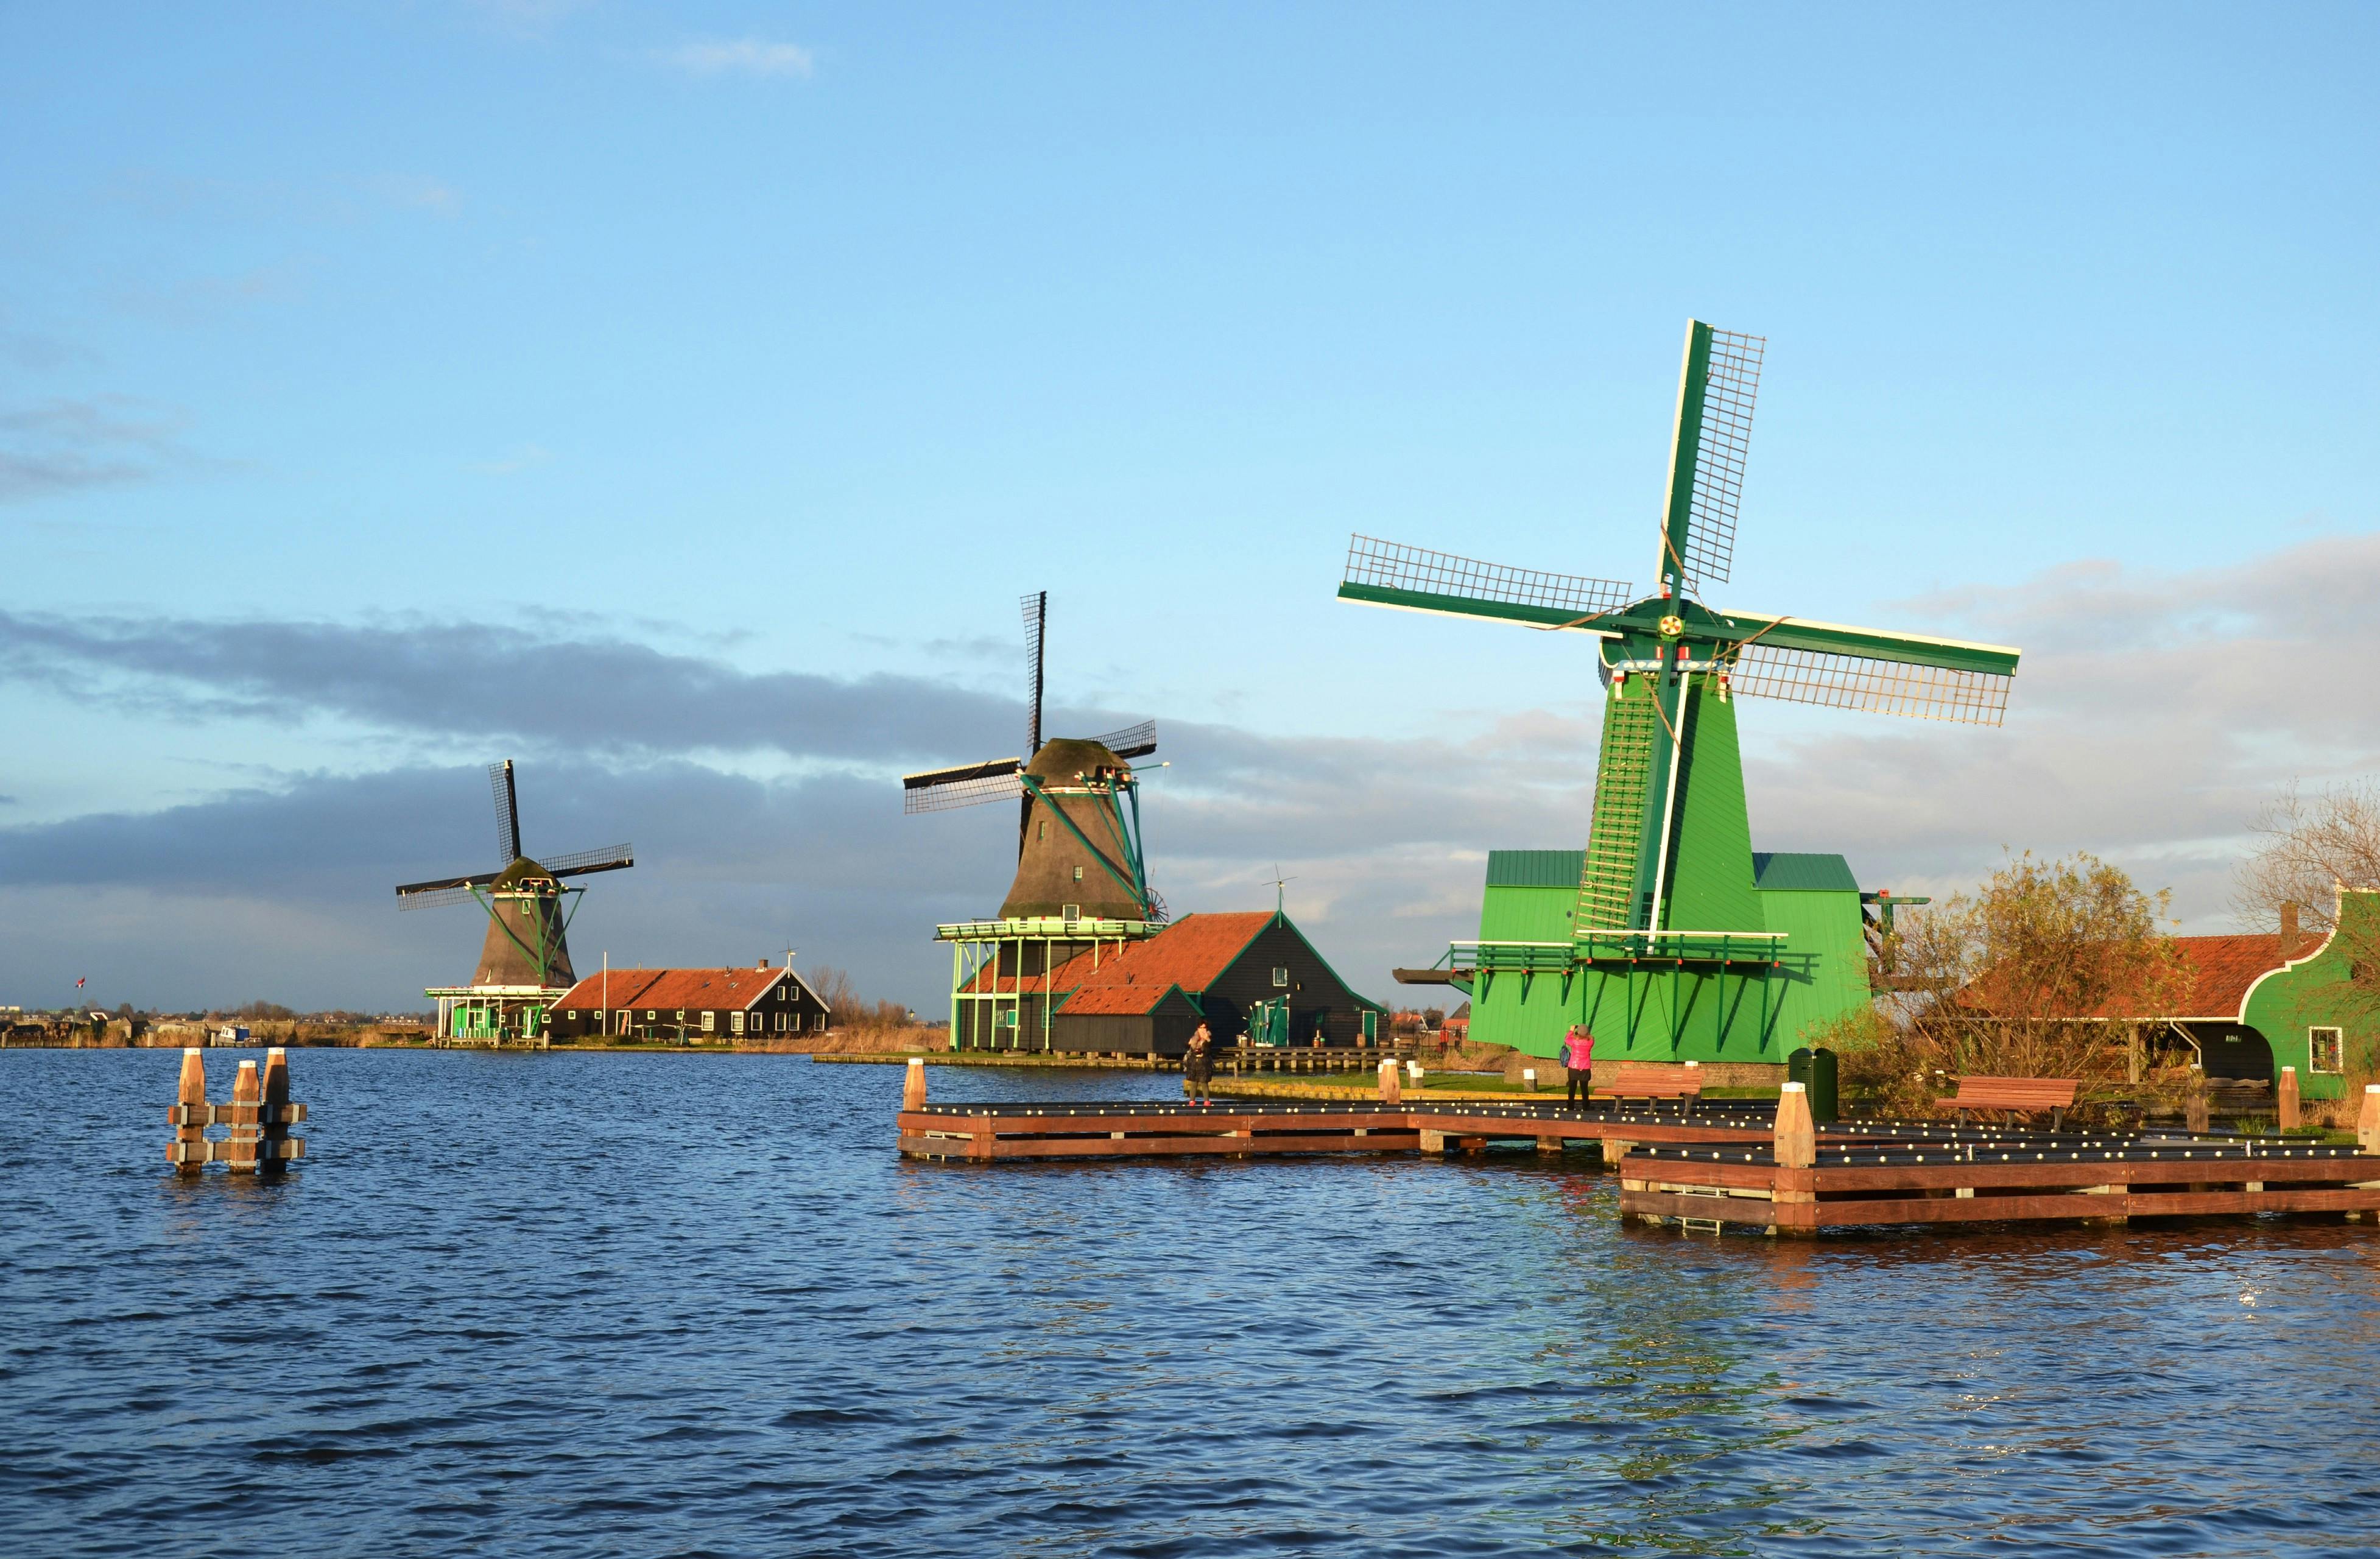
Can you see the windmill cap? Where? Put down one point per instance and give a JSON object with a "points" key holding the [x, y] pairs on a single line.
{"points": [[1064, 756], [522, 871]]}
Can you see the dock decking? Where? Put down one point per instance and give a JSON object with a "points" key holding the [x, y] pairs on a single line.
{"points": [[1716, 1164]]}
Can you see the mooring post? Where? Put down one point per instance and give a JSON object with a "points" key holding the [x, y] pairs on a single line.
{"points": [[2286, 1099], [1391, 1083], [188, 1149], [246, 1095], [2367, 1124], [1796, 1153], [276, 1152], [1797, 1136], [2193, 1109], [913, 1085]]}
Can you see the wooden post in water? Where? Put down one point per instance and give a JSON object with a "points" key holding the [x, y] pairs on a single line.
{"points": [[2193, 1109], [913, 1085], [188, 1149], [1796, 1152], [275, 1153], [1391, 1083], [1797, 1137], [2367, 1124], [2287, 1099], [246, 1094]]}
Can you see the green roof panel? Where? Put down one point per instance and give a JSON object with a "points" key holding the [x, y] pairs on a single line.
{"points": [[1778, 871], [1535, 869]]}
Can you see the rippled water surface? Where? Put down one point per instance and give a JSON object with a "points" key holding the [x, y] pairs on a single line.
{"points": [[695, 1304]]}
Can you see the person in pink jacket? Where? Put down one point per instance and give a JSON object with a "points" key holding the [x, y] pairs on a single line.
{"points": [[1578, 1056]]}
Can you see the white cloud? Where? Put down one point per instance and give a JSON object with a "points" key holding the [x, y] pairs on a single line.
{"points": [[743, 56]]}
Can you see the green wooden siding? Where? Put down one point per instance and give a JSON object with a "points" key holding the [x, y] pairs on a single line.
{"points": [[1711, 876], [2285, 1005]]}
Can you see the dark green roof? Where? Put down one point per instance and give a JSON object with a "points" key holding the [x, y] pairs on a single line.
{"points": [[1535, 869], [1775, 872]]}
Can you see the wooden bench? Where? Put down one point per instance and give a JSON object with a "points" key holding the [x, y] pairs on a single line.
{"points": [[2015, 1095], [1652, 1079]]}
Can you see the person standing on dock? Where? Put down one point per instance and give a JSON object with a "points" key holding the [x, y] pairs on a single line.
{"points": [[1578, 1058], [1198, 1064]]}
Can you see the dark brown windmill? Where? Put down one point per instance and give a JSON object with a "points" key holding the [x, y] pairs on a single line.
{"points": [[1081, 884], [527, 950], [1078, 853]]}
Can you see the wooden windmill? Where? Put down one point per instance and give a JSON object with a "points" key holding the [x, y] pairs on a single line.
{"points": [[524, 957], [1666, 883], [1078, 827], [1082, 881]]}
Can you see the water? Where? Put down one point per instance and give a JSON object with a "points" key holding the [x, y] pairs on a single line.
{"points": [[695, 1304]]}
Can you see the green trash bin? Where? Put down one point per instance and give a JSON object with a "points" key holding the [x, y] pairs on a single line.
{"points": [[1814, 1070], [1821, 1083]]}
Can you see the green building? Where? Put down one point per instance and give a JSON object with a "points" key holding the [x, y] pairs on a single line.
{"points": [[2255, 1004], [1802, 962], [1666, 932]]}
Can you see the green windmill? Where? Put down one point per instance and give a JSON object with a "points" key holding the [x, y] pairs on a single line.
{"points": [[1666, 932]]}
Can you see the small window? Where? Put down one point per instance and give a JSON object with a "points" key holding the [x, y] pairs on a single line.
{"points": [[735, 1022], [2330, 1049], [710, 1021], [1078, 873], [1280, 979], [1073, 912], [1044, 833]]}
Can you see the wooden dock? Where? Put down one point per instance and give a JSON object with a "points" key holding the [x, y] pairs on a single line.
{"points": [[1735, 1163], [2020, 1178], [1242, 1126]]}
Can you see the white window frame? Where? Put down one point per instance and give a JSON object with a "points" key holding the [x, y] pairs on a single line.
{"points": [[735, 1022], [710, 1020], [1280, 979], [2338, 1039]]}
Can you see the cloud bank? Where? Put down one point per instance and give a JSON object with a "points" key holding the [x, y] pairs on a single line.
{"points": [[2153, 712]]}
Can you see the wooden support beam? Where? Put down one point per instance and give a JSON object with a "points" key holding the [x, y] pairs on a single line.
{"points": [[2367, 1122], [188, 1149], [247, 1132], [913, 1084], [2287, 1099]]}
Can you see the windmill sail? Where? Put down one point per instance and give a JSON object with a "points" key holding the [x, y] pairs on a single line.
{"points": [[1416, 580], [971, 784], [500, 780], [1878, 687], [1132, 741], [612, 857], [1716, 393]]}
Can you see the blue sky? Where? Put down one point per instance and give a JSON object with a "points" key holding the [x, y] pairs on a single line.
{"points": [[677, 398]]}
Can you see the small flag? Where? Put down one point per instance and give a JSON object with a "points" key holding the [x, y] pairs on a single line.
{"points": [[77, 984]]}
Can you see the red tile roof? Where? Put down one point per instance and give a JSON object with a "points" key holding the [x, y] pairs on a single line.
{"points": [[2222, 967], [692, 990], [1116, 1000], [1065, 977], [1192, 952], [2218, 970]]}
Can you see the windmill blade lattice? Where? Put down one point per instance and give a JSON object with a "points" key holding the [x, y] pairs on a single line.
{"points": [[1731, 384], [1132, 741], [612, 857], [1878, 687], [940, 790], [1037, 616], [425, 897], [500, 780], [1417, 571]]}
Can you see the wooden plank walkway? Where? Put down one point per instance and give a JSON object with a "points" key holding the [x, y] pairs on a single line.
{"points": [[1238, 1127], [1737, 1163]]}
